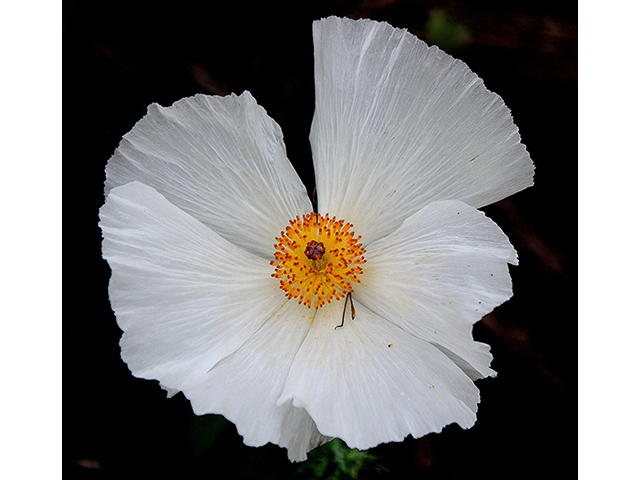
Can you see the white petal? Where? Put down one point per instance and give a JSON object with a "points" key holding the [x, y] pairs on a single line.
{"points": [[440, 272], [220, 159], [371, 382], [245, 386], [183, 295], [399, 124], [203, 316]]}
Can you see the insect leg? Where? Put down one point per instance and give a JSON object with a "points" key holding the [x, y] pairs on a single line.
{"points": [[344, 310]]}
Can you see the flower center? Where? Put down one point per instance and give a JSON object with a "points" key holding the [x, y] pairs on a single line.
{"points": [[317, 259]]}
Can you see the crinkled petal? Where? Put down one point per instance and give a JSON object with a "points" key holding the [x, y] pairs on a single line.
{"points": [[220, 159], [204, 316], [438, 274], [371, 382], [399, 124], [245, 386], [184, 296]]}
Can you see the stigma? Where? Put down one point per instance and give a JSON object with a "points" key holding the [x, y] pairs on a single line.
{"points": [[317, 259]]}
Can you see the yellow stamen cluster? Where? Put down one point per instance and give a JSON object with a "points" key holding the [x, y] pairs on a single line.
{"points": [[317, 259]]}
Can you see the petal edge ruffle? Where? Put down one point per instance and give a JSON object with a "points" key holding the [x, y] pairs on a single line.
{"points": [[184, 297], [438, 274], [370, 382], [399, 124], [205, 317], [220, 159]]}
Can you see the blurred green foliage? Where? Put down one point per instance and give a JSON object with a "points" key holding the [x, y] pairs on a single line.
{"points": [[332, 461], [445, 31], [336, 461], [203, 431]]}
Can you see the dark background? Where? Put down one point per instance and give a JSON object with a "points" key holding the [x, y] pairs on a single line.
{"points": [[120, 56]]}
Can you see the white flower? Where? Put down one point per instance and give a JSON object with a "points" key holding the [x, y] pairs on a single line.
{"points": [[407, 144]]}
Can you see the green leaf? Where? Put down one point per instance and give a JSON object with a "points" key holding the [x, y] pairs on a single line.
{"points": [[336, 461]]}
